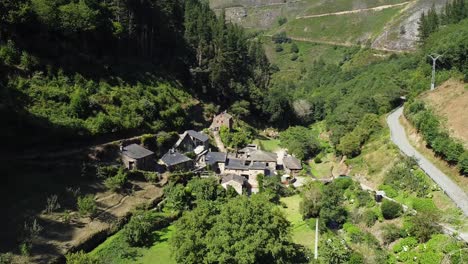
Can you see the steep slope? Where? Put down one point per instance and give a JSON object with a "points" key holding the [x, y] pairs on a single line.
{"points": [[385, 24], [450, 100]]}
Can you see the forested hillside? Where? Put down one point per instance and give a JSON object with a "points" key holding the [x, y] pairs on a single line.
{"points": [[81, 68]]}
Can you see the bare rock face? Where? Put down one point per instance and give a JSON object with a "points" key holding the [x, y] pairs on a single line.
{"points": [[235, 14], [402, 34]]}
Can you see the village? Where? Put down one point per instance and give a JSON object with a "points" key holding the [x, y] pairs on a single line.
{"points": [[192, 153]]}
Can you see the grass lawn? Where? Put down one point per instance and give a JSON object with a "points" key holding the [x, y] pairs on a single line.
{"points": [[116, 251], [160, 252], [301, 233]]}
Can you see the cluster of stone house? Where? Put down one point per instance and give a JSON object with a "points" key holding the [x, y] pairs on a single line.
{"points": [[191, 152]]}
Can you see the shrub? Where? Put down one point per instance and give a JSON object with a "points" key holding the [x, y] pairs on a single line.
{"points": [[389, 191], [424, 205], [356, 258], [149, 142], [80, 258], [294, 57], [86, 205], [318, 160], [150, 176], [116, 182], [104, 172], [369, 218], [390, 233], [138, 230], [9, 53], [282, 21], [6, 258], [390, 209], [463, 163], [278, 48], [294, 48], [409, 242]]}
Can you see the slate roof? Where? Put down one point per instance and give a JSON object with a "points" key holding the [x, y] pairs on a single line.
{"points": [[238, 164], [200, 136], [135, 151], [215, 157], [233, 177], [292, 163], [260, 155], [174, 158]]}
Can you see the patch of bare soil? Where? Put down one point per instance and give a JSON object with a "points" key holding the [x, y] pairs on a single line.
{"points": [[61, 235], [450, 101]]}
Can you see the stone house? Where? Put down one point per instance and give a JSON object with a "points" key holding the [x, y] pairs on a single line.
{"points": [[235, 181], [136, 157], [175, 161], [190, 140], [292, 165], [246, 169], [216, 161], [223, 119]]}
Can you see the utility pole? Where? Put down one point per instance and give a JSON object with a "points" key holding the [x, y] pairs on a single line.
{"points": [[434, 58], [316, 238]]}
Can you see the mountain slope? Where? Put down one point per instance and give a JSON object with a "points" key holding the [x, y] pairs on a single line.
{"points": [[385, 24]]}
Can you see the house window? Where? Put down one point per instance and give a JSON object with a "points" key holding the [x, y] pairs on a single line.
{"points": [[267, 164]]}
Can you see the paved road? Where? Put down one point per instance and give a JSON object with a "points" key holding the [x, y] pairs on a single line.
{"points": [[398, 136]]}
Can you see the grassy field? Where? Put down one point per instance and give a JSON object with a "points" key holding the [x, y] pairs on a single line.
{"points": [[301, 232], [270, 145], [116, 251]]}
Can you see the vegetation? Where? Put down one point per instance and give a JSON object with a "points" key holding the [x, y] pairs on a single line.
{"points": [[87, 205], [300, 141], [436, 137], [391, 209]]}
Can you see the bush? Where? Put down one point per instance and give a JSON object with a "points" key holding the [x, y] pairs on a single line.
{"points": [[278, 48], [318, 160], [389, 191], [149, 141], [282, 21], [116, 182], [86, 205], [356, 258], [8, 53], [294, 57], [104, 172], [138, 231], [294, 48], [390, 233], [390, 209], [151, 177], [369, 218], [463, 163], [80, 258], [424, 205]]}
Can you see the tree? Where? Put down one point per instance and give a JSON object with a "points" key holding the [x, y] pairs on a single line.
{"points": [[350, 145], [137, 231], [311, 202], [332, 212], [391, 209], [242, 230], [205, 189], [300, 141], [241, 109], [390, 233], [87, 205], [303, 110], [117, 182], [177, 197]]}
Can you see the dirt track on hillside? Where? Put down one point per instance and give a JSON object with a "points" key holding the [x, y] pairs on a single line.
{"points": [[377, 8]]}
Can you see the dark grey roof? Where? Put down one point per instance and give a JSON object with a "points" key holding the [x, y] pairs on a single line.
{"points": [[197, 135], [233, 177], [135, 151], [260, 155], [214, 157], [238, 164], [172, 158], [292, 163]]}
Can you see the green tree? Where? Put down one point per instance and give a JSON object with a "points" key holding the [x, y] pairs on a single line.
{"points": [[87, 205], [242, 230], [116, 182], [424, 225], [334, 250], [463, 163], [207, 189], [177, 197], [311, 201], [391, 209], [300, 141], [138, 231], [294, 48]]}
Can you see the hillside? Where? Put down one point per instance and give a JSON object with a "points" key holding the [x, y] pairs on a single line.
{"points": [[385, 24], [450, 101]]}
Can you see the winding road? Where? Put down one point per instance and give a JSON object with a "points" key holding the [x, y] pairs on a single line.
{"points": [[398, 136]]}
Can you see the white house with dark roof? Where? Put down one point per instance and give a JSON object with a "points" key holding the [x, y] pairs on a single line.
{"points": [[247, 169], [235, 181], [174, 161], [136, 157], [190, 140], [216, 161]]}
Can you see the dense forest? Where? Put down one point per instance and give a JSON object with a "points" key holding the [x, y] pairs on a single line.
{"points": [[98, 67]]}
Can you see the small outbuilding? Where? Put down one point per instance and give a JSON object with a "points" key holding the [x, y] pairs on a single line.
{"points": [[136, 157], [235, 181], [216, 161], [175, 161], [223, 119], [292, 165]]}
